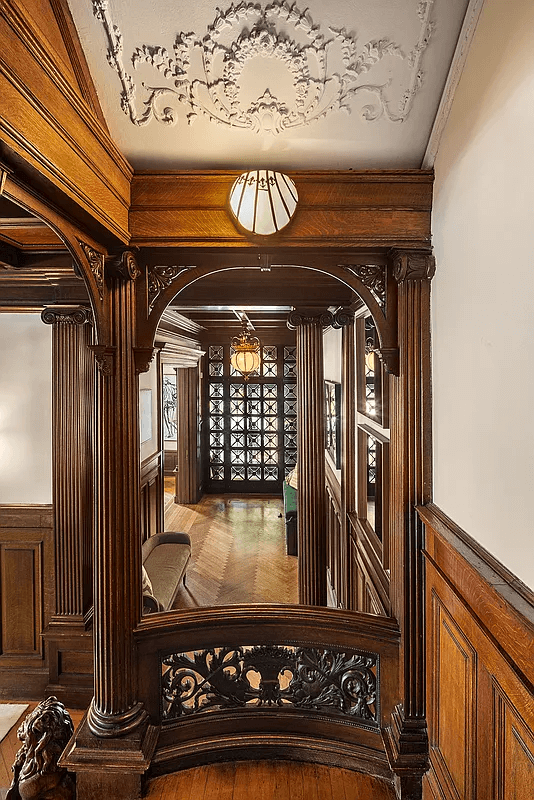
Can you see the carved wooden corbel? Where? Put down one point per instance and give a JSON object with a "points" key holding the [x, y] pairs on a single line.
{"points": [[143, 358], [105, 358]]}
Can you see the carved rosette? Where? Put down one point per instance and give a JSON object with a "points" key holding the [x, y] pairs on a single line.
{"points": [[297, 318], [67, 315], [124, 266], [309, 679], [413, 266], [96, 265], [373, 276], [104, 357]]}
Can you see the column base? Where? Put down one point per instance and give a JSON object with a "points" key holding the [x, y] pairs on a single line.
{"points": [[406, 743], [110, 767]]}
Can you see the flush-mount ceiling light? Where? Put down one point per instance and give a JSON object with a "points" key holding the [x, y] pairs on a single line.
{"points": [[263, 201]]}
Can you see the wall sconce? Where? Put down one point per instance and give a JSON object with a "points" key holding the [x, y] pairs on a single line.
{"points": [[246, 356], [263, 201]]}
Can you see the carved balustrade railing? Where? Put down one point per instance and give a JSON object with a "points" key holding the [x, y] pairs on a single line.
{"points": [[318, 679]]}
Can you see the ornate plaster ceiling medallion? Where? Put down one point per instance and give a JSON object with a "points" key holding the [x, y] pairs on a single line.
{"points": [[206, 74]]}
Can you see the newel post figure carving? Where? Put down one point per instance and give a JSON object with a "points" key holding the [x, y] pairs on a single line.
{"points": [[411, 481], [36, 772]]}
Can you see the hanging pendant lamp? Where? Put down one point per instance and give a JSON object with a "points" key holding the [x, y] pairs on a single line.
{"points": [[246, 356], [263, 201]]}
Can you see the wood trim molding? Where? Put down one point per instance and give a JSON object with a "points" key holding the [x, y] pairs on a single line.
{"points": [[51, 63], [503, 606], [459, 58], [336, 209]]}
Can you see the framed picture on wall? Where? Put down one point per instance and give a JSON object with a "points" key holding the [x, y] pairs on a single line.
{"points": [[333, 421]]}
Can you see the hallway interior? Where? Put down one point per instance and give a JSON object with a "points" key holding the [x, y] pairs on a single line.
{"points": [[238, 550]]}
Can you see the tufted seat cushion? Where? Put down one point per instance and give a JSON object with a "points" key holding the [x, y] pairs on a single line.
{"points": [[165, 559]]}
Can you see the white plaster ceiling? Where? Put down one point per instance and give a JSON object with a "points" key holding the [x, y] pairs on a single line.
{"points": [[337, 84]]}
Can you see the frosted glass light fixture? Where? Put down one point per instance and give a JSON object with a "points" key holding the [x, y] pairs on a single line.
{"points": [[263, 201]]}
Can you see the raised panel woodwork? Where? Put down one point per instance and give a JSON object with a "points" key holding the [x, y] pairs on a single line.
{"points": [[453, 691], [514, 753], [480, 641], [20, 577], [151, 496], [27, 589]]}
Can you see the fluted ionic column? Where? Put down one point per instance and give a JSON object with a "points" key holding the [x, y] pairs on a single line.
{"points": [[186, 490], [311, 500], [115, 710], [72, 439], [348, 446], [411, 486]]}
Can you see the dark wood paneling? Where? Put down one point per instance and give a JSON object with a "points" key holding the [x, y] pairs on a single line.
{"points": [[151, 495], [480, 670], [50, 116], [335, 209], [26, 597]]}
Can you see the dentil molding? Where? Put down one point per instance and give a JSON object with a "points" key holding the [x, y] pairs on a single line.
{"points": [[202, 73]]}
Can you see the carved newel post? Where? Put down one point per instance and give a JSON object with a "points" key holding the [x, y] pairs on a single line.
{"points": [[411, 478], [72, 437], [311, 501]]}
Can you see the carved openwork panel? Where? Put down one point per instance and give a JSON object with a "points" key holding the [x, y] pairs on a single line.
{"points": [[315, 680]]}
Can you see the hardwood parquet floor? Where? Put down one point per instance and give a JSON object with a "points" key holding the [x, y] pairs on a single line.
{"points": [[238, 550], [268, 780]]}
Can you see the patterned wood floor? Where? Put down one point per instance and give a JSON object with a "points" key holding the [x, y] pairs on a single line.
{"points": [[238, 550], [268, 780]]}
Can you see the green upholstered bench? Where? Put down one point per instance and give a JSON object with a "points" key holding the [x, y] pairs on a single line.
{"points": [[165, 559]]}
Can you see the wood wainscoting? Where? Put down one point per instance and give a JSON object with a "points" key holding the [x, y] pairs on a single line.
{"points": [[152, 495], [27, 597], [480, 670]]}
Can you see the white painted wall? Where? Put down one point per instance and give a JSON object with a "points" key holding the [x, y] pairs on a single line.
{"points": [[332, 355], [483, 292], [25, 409], [149, 380]]}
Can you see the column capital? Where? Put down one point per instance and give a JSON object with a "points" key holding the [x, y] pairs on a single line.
{"points": [[343, 317], [67, 315], [123, 265], [307, 316], [413, 265]]}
